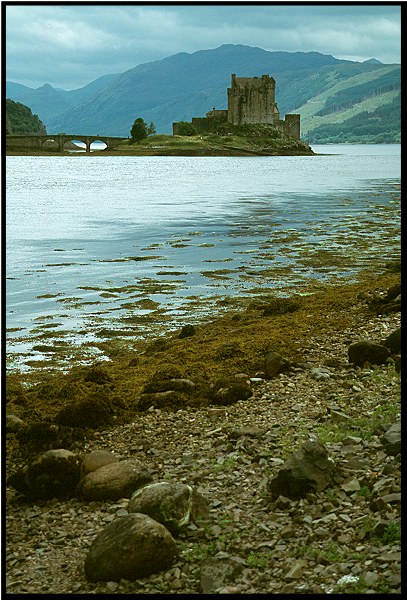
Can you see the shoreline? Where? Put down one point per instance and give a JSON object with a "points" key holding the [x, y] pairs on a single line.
{"points": [[216, 328], [144, 152], [161, 145], [228, 450]]}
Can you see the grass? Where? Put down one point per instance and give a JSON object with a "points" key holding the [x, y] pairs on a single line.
{"points": [[260, 559], [227, 465], [365, 426], [365, 491], [392, 533], [331, 551]]}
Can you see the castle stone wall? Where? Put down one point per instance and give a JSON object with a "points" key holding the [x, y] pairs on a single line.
{"points": [[209, 123], [292, 126], [252, 100]]}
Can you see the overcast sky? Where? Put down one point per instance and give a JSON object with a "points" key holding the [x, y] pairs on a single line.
{"points": [[70, 46]]}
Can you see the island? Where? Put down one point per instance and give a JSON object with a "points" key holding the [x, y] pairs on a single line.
{"points": [[250, 126]]}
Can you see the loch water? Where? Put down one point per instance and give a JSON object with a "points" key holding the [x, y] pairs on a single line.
{"points": [[96, 244]]}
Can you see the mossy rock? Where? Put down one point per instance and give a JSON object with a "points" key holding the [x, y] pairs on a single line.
{"points": [[90, 412], [43, 435], [229, 391], [168, 400], [280, 306], [173, 504], [15, 392], [159, 381], [97, 374], [228, 350], [130, 547]]}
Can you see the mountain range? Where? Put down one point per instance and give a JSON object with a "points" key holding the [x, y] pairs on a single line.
{"points": [[338, 100]]}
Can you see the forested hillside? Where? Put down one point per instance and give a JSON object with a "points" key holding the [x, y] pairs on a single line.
{"points": [[20, 119], [381, 126]]}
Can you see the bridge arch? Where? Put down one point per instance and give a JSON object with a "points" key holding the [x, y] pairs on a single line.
{"points": [[49, 143], [98, 144], [58, 141]]}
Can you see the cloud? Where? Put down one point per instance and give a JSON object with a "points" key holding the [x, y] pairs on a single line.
{"points": [[71, 45]]}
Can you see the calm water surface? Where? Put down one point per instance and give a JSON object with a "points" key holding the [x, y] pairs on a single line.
{"points": [[97, 244]]}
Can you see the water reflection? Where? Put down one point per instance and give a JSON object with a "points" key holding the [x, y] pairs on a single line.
{"points": [[88, 241]]}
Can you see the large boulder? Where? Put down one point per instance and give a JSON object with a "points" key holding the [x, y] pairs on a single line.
{"points": [[307, 470], [170, 503], [365, 351], [114, 481], [130, 547], [95, 460], [53, 474]]}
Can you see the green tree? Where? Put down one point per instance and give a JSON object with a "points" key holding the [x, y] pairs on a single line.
{"points": [[185, 128], [139, 130], [151, 129]]}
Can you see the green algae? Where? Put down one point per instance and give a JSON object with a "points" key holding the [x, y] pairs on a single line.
{"points": [[218, 260], [128, 259], [49, 335], [66, 264], [324, 309], [218, 274], [46, 326], [70, 300], [50, 295], [340, 249], [45, 348], [176, 273], [107, 295]]}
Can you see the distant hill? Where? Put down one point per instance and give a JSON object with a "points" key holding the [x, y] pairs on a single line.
{"points": [[50, 102], [20, 119], [328, 93]]}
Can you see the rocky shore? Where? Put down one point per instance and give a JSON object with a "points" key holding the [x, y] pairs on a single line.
{"points": [[223, 408]]}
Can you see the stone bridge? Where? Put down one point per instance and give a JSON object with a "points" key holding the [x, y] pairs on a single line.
{"points": [[58, 141]]}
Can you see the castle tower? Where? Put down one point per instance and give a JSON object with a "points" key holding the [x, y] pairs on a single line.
{"points": [[252, 100]]}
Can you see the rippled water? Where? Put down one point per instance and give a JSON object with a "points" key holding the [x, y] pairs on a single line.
{"points": [[97, 244]]}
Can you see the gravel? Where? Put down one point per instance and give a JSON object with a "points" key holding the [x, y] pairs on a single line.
{"points": [[334, 541]]}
